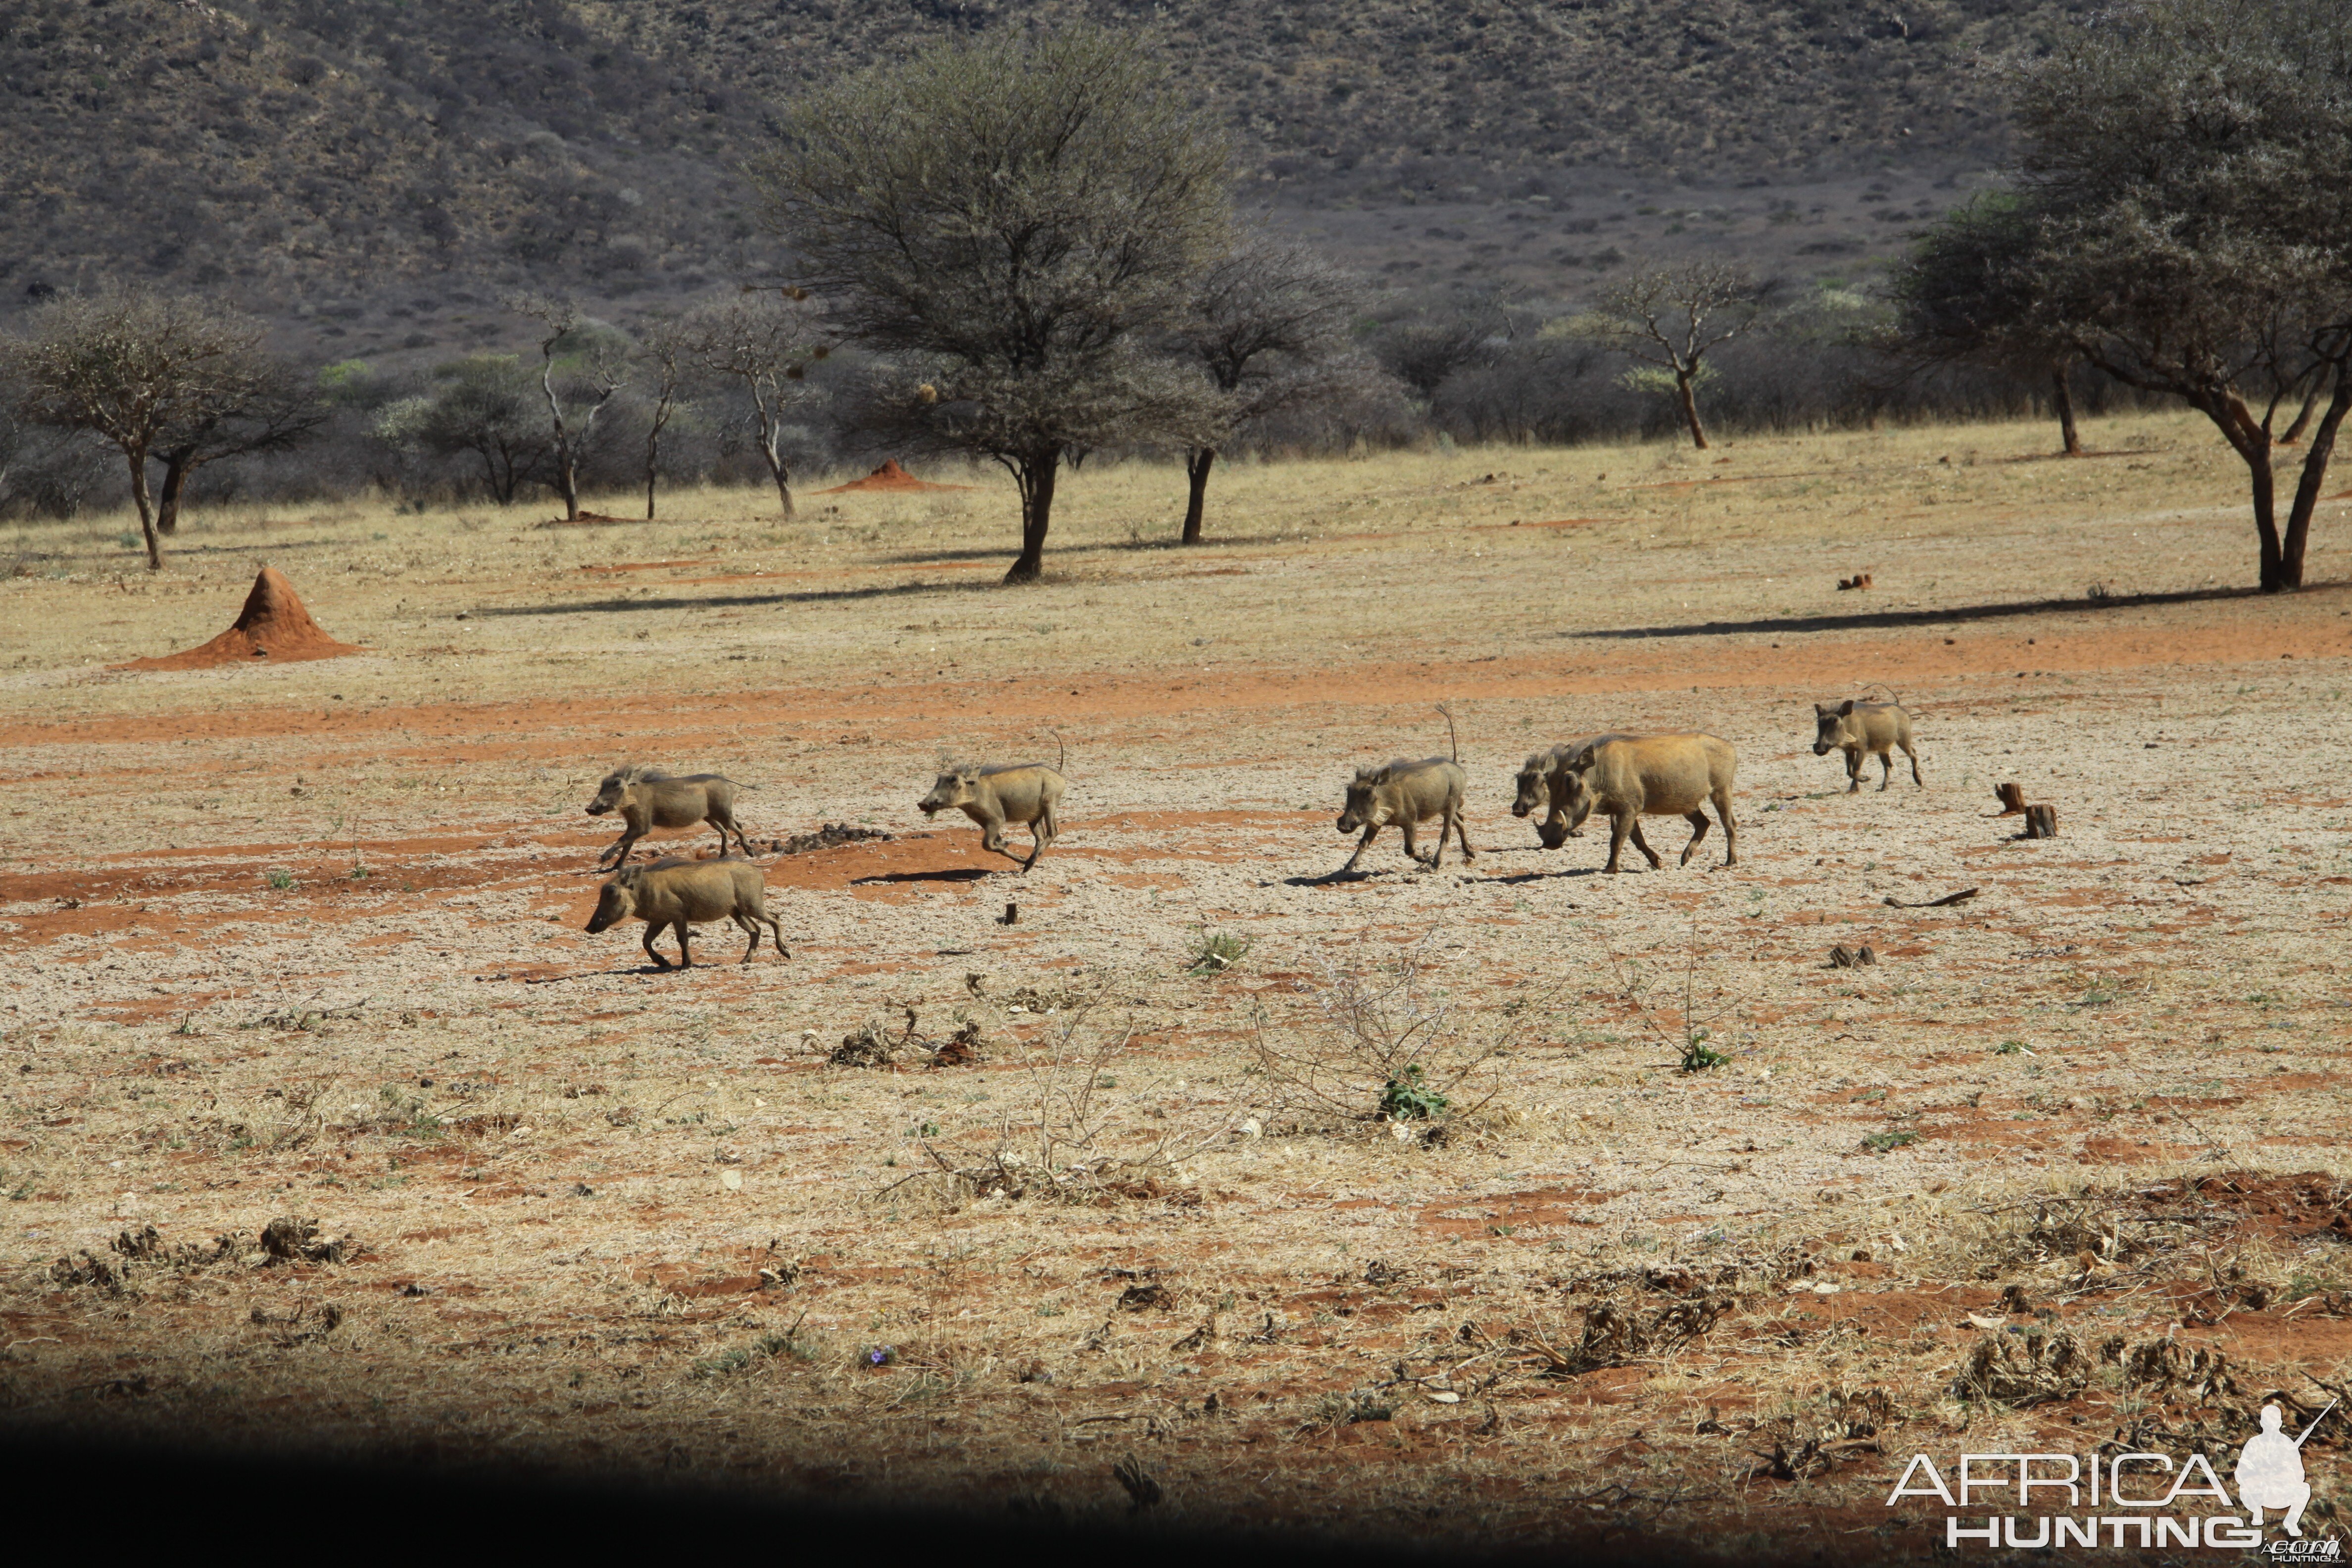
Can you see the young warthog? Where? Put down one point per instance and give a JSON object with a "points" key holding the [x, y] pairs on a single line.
{"points": [[1628, 778], [1406, 795], [1543, 781], [676, 893], [1025, 793], [1864, 729], [647, 797]]}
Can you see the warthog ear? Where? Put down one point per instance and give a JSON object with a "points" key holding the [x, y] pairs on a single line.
{"points": [[1845, 708]]}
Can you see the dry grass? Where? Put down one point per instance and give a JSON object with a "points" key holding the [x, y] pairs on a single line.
{"points": [[594, 1216]]}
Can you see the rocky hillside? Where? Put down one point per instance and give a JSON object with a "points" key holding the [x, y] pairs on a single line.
{"points": [[377, 170]]}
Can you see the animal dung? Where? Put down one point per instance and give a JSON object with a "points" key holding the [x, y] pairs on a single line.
{"points": [[1845, 957], [1859, 580], [273, 626], [2041, 822]]}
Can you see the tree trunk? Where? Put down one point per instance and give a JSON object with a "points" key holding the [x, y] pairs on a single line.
{"points": [[1036, 474], [650, 473], [2062, 396], [177, 466], [567, 485], [1690, 408], [2308, 486], [1196, 475], [2294, 432], [138, 460]]}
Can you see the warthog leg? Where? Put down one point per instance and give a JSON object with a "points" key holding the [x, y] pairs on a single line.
{"points": [[1915, 765], [653, 931], [1044, 830], [1697, 820], [724, 820], [1461, 832], [620, 851], [1854, 770], [1371, 831], [1731, 827], [752, 923]]}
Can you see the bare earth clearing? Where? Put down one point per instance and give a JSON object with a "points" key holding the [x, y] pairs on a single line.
{"points": [[304, 941]]}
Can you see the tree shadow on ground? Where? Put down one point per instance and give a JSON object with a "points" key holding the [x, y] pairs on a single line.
{"points": [[1866, 620], [1206, 549], [735, 601], [959, 874]]}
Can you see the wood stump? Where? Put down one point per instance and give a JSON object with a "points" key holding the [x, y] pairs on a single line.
{"points": [[2012, 797], [2041, 822]]}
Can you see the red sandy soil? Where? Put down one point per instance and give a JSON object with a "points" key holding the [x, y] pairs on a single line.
{"points": [[273, 625], [889, 476]]}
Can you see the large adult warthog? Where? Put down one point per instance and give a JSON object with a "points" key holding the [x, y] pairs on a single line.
{"points": [[1543, 782], [647, 798], [1630, 777], [1864, 730], [1406, 795], [1025, 793], [679, 893]]}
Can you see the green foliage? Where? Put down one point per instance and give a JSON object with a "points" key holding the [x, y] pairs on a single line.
{"points": [[1697, 1054], [1213, 952], [1407, 1097], [1880, 1143], [281, 878]]}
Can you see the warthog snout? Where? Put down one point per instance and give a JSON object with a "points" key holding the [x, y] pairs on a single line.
{"points": [[1821, 748], [949, 791], [613, 905]]}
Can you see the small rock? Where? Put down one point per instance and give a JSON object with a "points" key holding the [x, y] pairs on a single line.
{"points": [[1447, 1398], [1250, 1129], [732, 1180]]}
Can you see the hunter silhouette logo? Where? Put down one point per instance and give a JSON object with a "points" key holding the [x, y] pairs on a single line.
{"points": [[2270, 1471]]}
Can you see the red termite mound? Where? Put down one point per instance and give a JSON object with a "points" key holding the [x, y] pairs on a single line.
{"points": [[273, 626], [889, 476]]}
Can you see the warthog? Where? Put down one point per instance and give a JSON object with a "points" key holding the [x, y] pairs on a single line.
{"points": [[1627, 778], [1543, 781], [676, 893], [1406, 795], [1025, 793], [647, 797], [1861, 729]]}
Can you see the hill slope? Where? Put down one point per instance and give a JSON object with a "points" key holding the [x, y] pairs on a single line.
{"points": [[319, 156]]}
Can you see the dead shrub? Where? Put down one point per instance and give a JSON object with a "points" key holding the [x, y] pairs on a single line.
{"points": [[2029, 1367], [1381, 1044], [1803, 1446], [287, 1239], [874, 1044], [1614, 1333]]}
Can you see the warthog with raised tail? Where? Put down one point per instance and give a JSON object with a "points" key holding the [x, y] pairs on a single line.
{"points": [[1628, 778], [1543, 782], [680, 893], [1025, 793], [1864, 730], [1404, 795], [647, 798]]}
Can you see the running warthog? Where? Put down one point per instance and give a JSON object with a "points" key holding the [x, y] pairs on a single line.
{"points": [[647, 798], [1403, 795], [1864, 729], [1025, 793], [1543, 781], [676, 893], [1628, 778]]}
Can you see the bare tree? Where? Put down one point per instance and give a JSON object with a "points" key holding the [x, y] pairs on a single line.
{"points": [[131, 366], [1969, 293], [1270, 323], [2192, 228], [593, 360], [1018, 219], [764, 341], [667, 345], [1670, 317]]}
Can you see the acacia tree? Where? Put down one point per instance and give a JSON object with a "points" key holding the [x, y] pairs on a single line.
{"points": [[764, 341], [1671, 317], [1018, 219], [1269, 325], [593, 359], [2194, 231], [256, 403], [1967, 294], [133, 367], [483, 408]]}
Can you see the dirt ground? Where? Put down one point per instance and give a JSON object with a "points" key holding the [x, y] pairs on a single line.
{"points": [[305, 943]]}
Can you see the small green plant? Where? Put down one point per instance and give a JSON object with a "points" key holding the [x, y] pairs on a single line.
{"points": [[281, 878], [2011, 1049], [1697, 1054], [1214, 951], [187, 1025], [1880, 1143], [1408, 1098]]}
